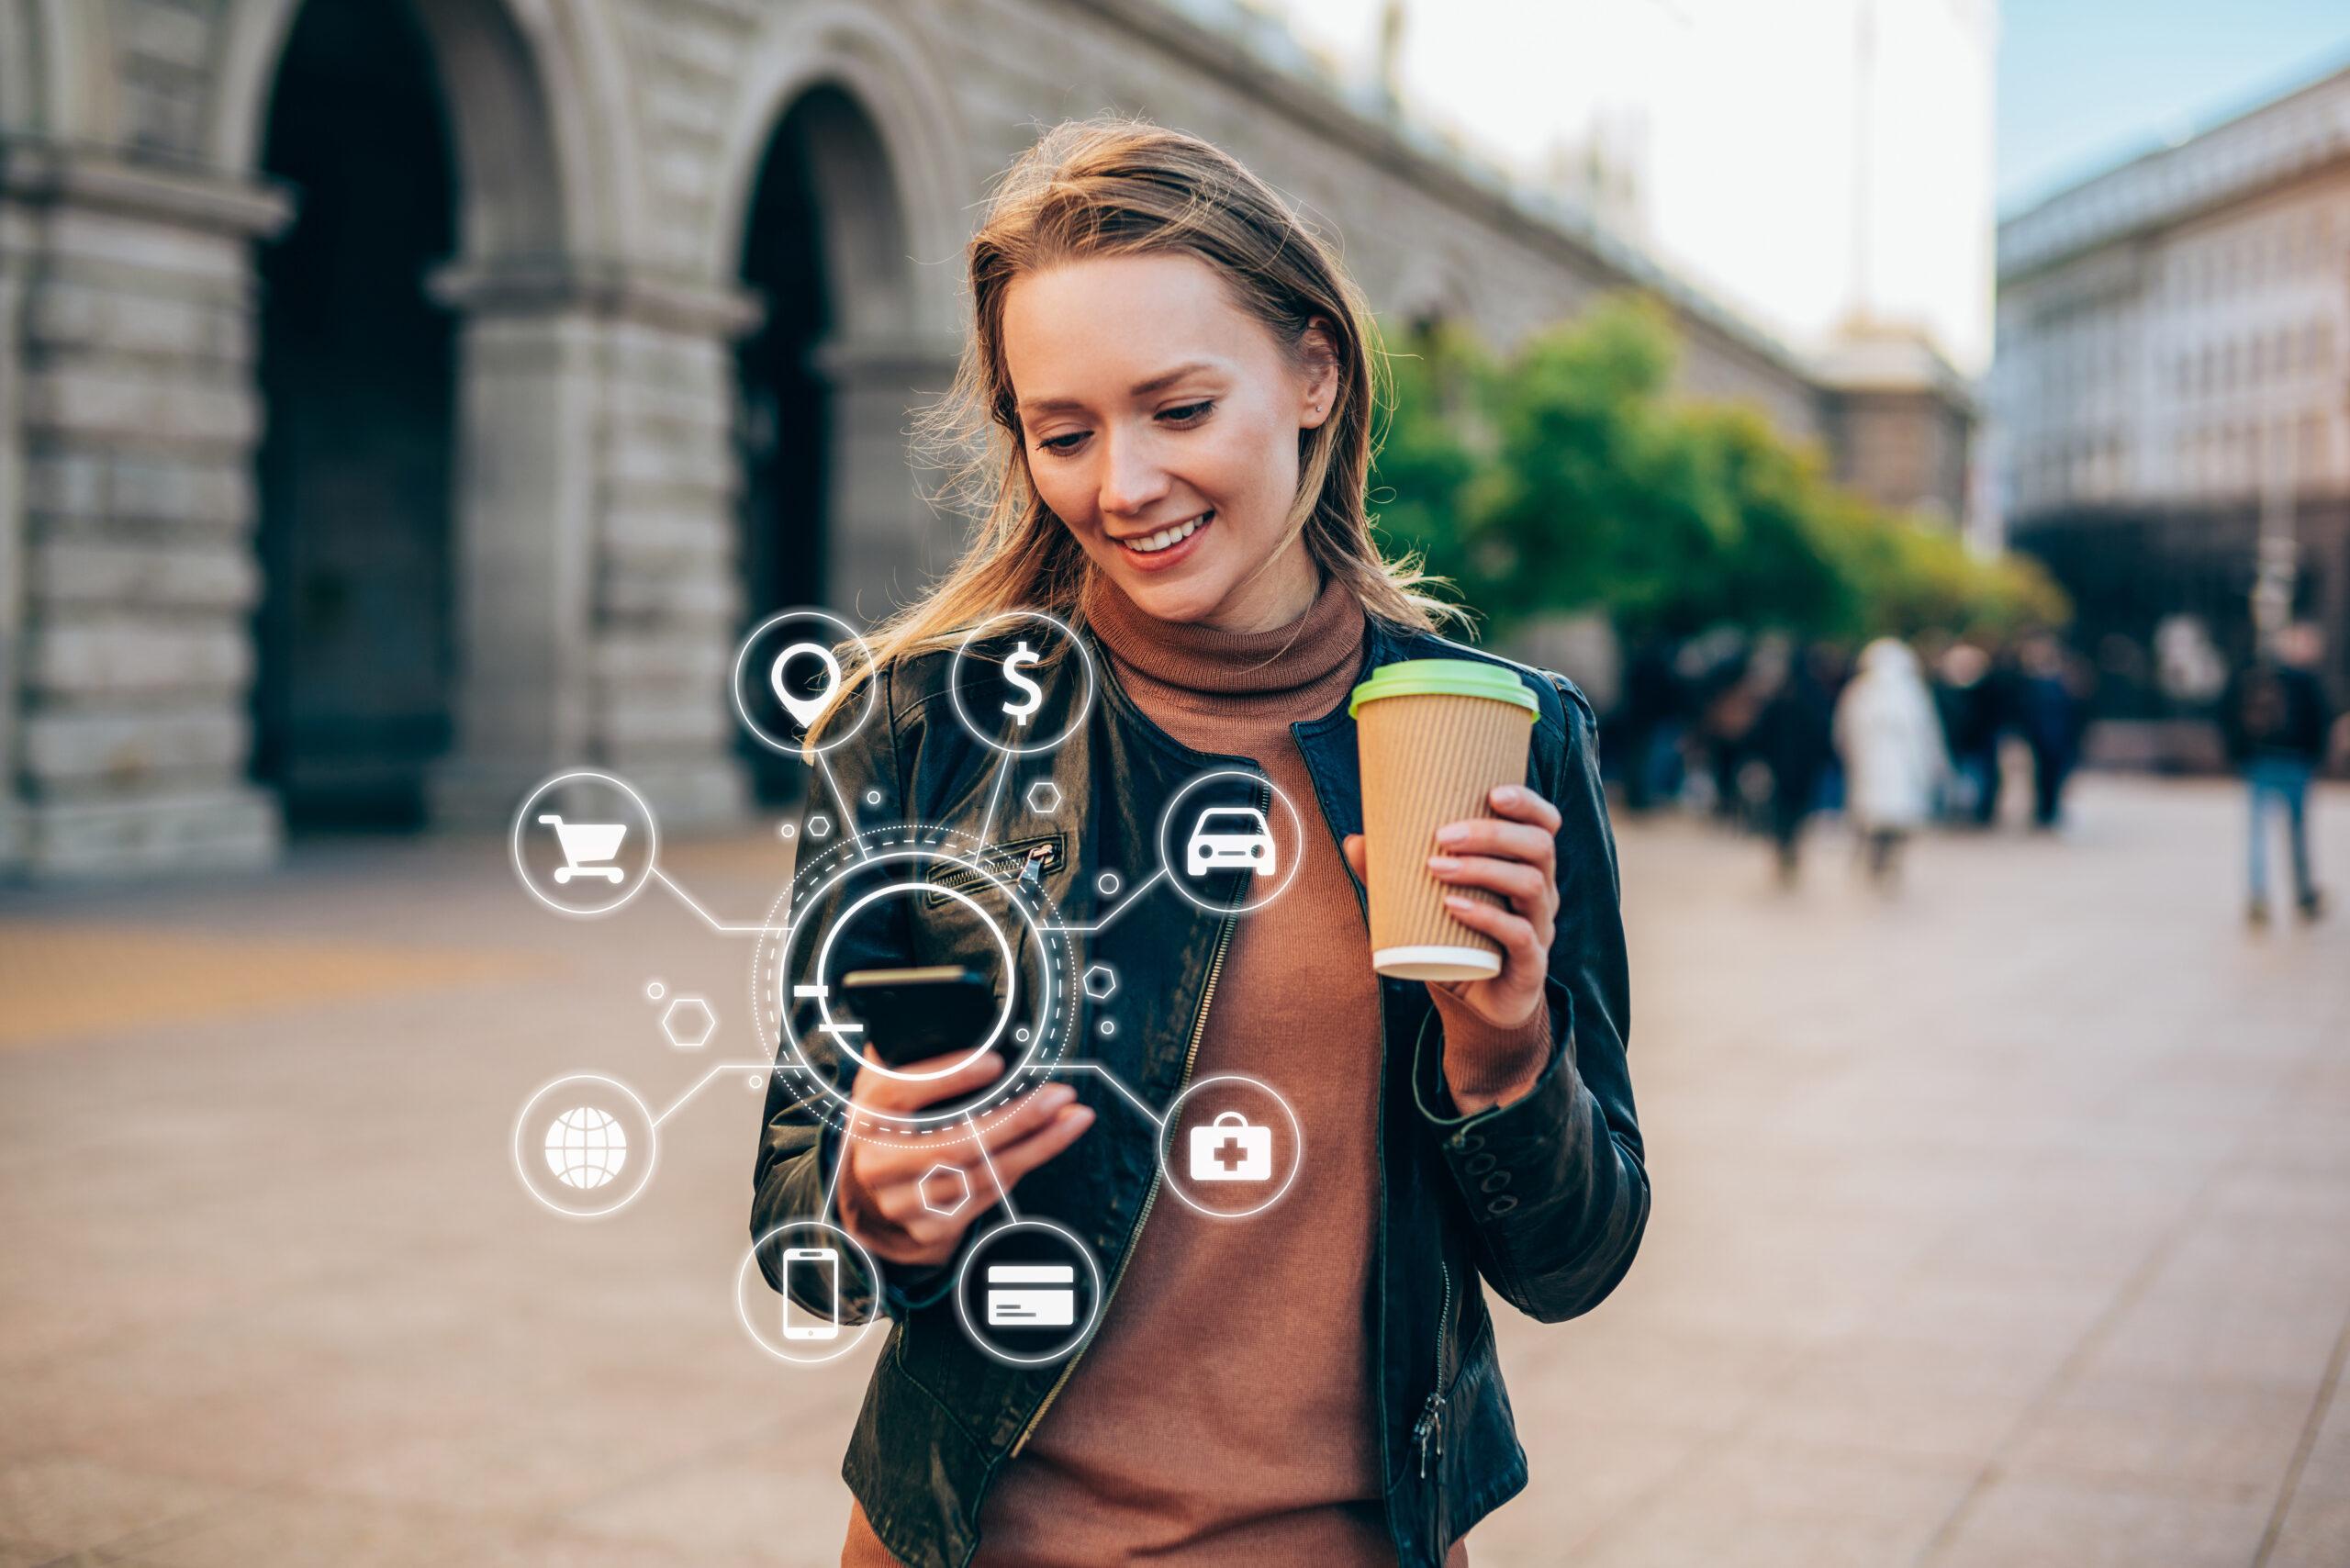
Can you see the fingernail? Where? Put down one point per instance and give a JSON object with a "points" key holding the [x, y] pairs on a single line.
{"points": [[1453, 833], [1455, 902], [1443, 863], [1057, 1095], [989, 1062], [1506, 794]]}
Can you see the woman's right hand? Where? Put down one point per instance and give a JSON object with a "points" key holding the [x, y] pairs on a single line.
{"points": [[880, 1192]]}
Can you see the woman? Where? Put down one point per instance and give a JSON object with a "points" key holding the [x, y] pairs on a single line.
{"points": [[1174, 380], [1895, 762]]}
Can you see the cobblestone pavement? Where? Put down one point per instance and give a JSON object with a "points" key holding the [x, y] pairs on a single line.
{"points": [[2002, 1221]]}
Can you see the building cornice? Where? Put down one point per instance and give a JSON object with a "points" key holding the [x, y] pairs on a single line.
{"points": [[2306, 130]]}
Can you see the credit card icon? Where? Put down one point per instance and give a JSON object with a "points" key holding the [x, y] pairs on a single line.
{"points": [[1032, 1295]]}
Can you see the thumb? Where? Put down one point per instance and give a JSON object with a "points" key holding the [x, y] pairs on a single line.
{"points": [[1352, 846]]}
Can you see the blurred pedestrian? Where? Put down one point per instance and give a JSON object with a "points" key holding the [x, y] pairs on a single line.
{"points": [[1891, 742], [1793, 738], [2275, 715], [1650, 720], [2048, 713], [1967, 695]]}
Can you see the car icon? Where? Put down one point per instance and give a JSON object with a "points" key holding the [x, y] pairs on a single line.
{"points": [[1230, 836]]}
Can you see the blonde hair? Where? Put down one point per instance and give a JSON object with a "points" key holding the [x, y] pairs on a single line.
{"points": [[1118, 186]]}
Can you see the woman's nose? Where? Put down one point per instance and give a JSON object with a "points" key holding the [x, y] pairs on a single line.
{"points": [[1132, 478]]}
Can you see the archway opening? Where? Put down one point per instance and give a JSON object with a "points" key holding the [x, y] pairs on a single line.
{"points": [[786, 418], [356, 629]]}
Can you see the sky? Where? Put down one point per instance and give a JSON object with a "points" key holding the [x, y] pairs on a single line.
{"points": [[2085, 84], [1741, 117]]}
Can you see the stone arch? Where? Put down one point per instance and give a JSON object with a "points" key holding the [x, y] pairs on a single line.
{"points": [[540, 138], [849, 92], [900, 275]]}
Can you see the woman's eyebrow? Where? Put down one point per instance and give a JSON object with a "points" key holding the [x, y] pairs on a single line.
{"points": [[1139, 389]]}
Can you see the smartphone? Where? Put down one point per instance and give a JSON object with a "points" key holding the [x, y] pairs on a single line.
{"points": [[913, 1014], [812, 1273]]}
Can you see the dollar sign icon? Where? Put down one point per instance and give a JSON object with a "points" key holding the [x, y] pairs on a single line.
{"points": [[1019, 709]]}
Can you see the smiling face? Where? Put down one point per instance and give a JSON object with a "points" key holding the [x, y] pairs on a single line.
{"points": [[1160, 422]]}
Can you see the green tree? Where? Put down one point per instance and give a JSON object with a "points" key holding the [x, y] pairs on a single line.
{"points": [[1570, 477]]}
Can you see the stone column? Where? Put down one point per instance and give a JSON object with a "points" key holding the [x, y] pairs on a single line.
{"points": [[136, 417], [596, 492], [884, 540]]}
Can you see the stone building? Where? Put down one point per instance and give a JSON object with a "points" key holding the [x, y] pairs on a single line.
{"points": [[400, 398], [2172, 388]]}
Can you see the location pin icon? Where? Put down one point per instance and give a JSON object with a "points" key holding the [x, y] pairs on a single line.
{"points": [[803, 710]]}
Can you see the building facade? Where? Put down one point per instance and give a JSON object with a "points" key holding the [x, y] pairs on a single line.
{"points": [[2172, 390], [400, 399]]}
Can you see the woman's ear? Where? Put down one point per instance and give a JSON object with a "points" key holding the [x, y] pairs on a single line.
{"points": [[1319, 393]]}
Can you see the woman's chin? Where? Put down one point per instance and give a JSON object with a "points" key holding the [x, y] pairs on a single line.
{"points": [[1182, 595]]}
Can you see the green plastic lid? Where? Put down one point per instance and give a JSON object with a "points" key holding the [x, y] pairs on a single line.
{"points": [[1445, 677]]}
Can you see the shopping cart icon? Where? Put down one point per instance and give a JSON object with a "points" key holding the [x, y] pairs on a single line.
{"points": [[584, 843]]}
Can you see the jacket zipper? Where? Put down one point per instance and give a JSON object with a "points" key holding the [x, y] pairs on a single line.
{"points": [[1431, 1421], [1157, 1174]]}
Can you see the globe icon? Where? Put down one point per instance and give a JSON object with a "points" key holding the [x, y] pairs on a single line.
{"points": [[585, 1147]]}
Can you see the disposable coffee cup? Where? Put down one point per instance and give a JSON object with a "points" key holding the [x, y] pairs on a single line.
{"points": [[1436, 736]]}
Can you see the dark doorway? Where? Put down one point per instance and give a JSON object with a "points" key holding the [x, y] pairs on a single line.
{"points": [[785, 413], [352, 703]]}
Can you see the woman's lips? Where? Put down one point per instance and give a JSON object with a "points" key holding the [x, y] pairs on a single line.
{"points": [[1160, 560]]}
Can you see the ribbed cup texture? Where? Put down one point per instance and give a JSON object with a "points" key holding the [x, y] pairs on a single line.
{"points": [[1427, 761]]}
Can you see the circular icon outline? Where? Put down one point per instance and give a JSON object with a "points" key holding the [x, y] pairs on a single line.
{"points": [[848, 1341], [1002, 945], [1084, 702], [1165, 846], [1173, 1119], [771, 997], [743, 712], [651, 1146], [628, 890], [1078, 1334]]}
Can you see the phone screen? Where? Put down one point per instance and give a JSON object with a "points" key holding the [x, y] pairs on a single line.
{"points": [[812, 1274]]}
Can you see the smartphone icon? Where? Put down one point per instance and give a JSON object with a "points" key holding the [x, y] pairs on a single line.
{"points": [[812, 1273]]}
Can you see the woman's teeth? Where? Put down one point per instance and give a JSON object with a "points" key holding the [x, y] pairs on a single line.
{"points": [[1166, 536]]}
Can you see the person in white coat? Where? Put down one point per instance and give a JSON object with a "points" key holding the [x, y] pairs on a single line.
{"points": [[1891, 740]]}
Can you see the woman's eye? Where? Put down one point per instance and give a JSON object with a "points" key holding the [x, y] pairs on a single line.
{"points": [[1062, 443], [1190, 412]]}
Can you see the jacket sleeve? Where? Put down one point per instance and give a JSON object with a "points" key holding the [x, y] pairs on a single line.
{"points": [[1554, 1179], [800, 1137]]}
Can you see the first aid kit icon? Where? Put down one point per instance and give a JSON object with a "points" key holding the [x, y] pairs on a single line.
{"points": [[1232, 1148]]}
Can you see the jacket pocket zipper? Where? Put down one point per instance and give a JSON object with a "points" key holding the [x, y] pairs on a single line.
{"points": [[1134, 1237], [1431, 1422]]}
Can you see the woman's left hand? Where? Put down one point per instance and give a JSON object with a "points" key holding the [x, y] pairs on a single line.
{"points": [[1513, 853]]}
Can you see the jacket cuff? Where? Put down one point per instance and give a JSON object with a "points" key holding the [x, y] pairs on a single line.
{"points": [[1492, 1065], [1552, 1116]]}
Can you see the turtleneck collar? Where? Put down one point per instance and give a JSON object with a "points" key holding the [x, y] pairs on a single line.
{"points": [[1322, 645]]}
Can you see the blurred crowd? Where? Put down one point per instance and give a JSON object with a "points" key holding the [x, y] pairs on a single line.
{"points": [[1765, 733]]}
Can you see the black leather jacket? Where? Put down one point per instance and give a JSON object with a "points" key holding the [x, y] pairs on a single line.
{"points": [[1545, 1198]]}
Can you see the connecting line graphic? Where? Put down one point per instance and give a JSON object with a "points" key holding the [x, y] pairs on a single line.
{"points": [[1002, 1192], [1114, 1081], [832, 1187], [724, 928], [1115, 910], [995, 793]]}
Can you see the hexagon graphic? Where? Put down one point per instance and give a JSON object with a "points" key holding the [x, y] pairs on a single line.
{"points": [[689, 1023], [1044, 797], [956, 1189], [1099, 981]]}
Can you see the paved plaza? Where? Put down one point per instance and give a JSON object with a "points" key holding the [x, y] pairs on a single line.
{"points": [[2001, 1223]]}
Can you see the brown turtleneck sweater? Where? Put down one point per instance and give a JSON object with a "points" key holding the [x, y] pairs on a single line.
{"points": [[1224, 1411]]}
